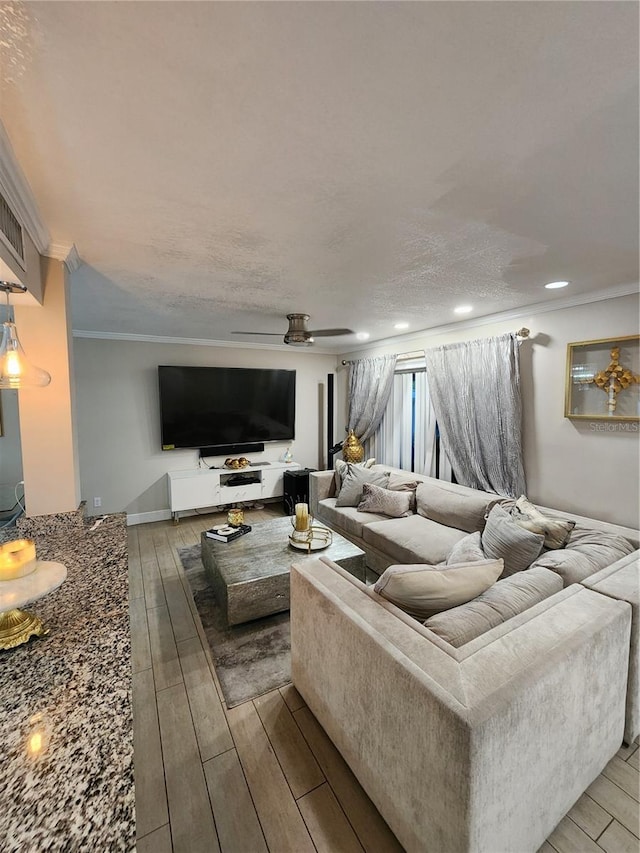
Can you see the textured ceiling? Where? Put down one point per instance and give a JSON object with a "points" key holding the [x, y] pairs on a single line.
{"points": [[219, 165]]}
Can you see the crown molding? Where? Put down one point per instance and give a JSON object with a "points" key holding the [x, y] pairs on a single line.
{"points": [[199, 342], [400, 340], [17, 192], [65, 252], [504, 316]]}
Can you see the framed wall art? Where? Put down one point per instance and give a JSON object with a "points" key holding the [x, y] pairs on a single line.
{"points": [[603, 379]]}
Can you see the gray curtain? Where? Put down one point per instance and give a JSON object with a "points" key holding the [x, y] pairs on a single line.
{"points": [[370, 383], [475, 391]]}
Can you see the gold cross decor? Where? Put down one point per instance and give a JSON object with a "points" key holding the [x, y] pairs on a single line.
{"points": [[614, 378]]}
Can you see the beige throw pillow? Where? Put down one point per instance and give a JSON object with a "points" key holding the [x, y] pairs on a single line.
{"points": [[400, 483], [384, 501], [423, 590], [503, 538], [556, 531]]}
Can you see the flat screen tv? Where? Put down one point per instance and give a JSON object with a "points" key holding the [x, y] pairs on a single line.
{"points": [[209, 406]]}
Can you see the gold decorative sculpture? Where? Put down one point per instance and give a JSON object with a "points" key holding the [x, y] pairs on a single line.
{"points": [[352, 450]]}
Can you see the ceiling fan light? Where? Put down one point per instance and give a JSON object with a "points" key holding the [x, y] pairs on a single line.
{"points": [[298, 339]]}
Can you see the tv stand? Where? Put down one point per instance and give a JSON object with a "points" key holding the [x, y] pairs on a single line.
{"points": [[211, 487]]}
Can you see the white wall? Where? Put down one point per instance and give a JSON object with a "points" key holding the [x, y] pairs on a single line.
{"points": [[119, 416], [568, 464]]}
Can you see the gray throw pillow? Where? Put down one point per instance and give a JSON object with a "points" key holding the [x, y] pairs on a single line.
{"points": [[556, 531], [354, 479], [504, 600], [341, 468], [384, 501], [467, 550], [503, 538]]}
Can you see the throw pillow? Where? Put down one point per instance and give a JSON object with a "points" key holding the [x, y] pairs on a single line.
{"points": [[353, 480], [341, 469], [503, 538], [467, 550], [464, 510], [384, 501], [400, 483], [504, 600], [423, 590], [556, 531]]}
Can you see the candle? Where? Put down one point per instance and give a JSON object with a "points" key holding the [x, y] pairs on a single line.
{"points": [[302, 517], [17, 559]]}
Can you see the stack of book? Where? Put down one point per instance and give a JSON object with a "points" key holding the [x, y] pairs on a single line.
{"points": [[227, 532]]}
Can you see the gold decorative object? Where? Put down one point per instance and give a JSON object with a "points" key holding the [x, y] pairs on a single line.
{"points": [[314, 538], [17, 559], [236, 464], [235, 516], [352, 450], [588, 379], [17, 626]]}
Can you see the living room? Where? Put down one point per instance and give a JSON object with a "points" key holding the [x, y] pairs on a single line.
{"points": [[479, 195]]}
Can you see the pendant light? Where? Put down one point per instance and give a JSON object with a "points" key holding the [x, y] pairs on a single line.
{"points": [[16, 371]]}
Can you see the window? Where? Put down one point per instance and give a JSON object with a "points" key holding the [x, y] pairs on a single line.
{"points": [[408, 435]]}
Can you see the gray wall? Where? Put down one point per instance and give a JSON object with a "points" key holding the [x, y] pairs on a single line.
{"points": [[119, 422], [10, 449], [568, 464]]}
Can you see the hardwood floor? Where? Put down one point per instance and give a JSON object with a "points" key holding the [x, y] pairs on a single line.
{"points": [[264, 776]]}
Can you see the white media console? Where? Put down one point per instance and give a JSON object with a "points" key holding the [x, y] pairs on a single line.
{"points": [[205, 487]]}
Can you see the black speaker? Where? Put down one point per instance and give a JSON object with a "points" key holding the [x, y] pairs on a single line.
{"points": [[221, 449], [295, 488]]}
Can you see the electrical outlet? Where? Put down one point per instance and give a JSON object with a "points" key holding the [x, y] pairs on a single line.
{"points": [[97, 502]]}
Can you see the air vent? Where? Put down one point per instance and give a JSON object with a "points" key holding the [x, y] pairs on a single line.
{"points": [[11, 231]]}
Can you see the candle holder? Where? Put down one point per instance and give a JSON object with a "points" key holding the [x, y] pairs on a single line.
{"points": [[301, 534], [17, 559], [235, 516]]}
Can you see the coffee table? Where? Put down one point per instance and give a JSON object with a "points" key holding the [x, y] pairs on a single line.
{"points": [[250, 576]]}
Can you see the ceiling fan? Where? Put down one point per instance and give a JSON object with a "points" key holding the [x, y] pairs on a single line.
{"points": [[297, 335]]}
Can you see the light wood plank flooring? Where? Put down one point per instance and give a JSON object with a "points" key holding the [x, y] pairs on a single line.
{"points": [[264, 776]]}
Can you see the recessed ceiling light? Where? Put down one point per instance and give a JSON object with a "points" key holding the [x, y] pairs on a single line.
{"points": [[463, 309], [401, 326], [363, 336], [555, 284]]}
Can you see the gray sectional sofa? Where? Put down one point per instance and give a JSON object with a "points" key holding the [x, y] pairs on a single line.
{"points": [[593, 545], [484, 747]]}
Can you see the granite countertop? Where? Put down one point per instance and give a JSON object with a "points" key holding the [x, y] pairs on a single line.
{"points": [[66, 732]]}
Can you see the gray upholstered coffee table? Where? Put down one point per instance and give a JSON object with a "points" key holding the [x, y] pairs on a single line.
{"points": [[250, 575]]}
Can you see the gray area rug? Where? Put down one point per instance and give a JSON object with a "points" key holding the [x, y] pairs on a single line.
{"points": [[250, 659]]}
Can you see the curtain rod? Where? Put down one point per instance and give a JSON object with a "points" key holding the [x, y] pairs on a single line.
{"points": [[407, 356]]}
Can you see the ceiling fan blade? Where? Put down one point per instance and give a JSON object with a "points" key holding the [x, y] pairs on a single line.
{"points": [[277, 334], [331, 333]]}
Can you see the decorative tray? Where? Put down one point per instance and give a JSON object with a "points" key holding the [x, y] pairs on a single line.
{"points": [[314, 545]]}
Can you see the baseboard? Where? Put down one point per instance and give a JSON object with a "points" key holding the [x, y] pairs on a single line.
{"points": [[146, 517], [165, 514]]}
